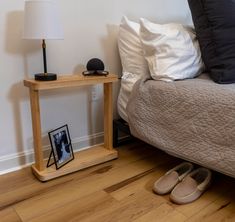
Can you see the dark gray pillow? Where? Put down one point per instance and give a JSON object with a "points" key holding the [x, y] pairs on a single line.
{"points": [[214, 21]]}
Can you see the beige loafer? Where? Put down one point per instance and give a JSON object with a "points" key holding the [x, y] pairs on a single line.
{"points": [[192, 187], [166, 183]]}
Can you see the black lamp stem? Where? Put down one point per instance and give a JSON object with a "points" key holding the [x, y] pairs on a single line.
{"points": [[45, 76], [44, 56]]}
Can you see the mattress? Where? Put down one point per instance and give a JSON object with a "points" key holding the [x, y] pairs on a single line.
{"points": [[192, 119]]}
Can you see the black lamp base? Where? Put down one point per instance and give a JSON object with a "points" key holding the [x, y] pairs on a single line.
{"points": [[45, 77]]}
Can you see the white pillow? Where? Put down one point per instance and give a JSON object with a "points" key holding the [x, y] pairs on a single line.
{"points": [[134, 65], [172, 52]]}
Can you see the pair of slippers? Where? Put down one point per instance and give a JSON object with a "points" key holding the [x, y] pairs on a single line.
{"points": [[184, 183]]}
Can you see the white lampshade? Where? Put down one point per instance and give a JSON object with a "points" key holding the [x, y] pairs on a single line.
{"points": [[41, 20]]}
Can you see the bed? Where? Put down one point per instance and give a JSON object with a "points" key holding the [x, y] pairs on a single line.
{"points": [[192, 119], [166, 100]]}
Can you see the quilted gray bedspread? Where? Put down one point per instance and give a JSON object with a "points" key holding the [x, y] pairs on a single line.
{"points": [[192, 119]]}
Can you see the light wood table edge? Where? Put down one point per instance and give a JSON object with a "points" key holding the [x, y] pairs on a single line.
{"points": [[69, 81], [80, 164], [107, 151]]}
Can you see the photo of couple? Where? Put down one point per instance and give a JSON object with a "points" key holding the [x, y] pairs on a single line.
{"points": [[61, 146]]}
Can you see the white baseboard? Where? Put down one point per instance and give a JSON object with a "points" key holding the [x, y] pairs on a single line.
{"points": [[17, 161]]}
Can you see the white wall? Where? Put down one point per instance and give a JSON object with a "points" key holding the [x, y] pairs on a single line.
{"points": [[90, 29]]}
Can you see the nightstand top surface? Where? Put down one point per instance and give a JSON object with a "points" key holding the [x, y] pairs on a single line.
{"points": [[69, 81]]}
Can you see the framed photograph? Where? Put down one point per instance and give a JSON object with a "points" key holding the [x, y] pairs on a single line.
{"points": [[61, 145]]}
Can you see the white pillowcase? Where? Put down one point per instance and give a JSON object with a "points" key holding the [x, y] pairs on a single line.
{"points": [[133, 62], [172, 52]]}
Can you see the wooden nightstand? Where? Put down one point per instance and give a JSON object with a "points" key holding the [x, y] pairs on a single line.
{"points": [[83, 159]]}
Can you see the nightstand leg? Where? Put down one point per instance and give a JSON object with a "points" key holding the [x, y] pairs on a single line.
{"points": [[36, 124], [108, 116]]}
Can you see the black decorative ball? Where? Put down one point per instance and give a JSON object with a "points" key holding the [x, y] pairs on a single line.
{"points": [[95, 64]]}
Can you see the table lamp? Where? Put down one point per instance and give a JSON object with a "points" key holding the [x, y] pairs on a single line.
{"points": [[41, 21]]}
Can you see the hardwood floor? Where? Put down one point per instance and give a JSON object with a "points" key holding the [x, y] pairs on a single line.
{"points": [[119, 190]]}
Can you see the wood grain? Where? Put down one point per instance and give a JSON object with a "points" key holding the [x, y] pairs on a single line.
{"points": [[9, 215], [108, 116], [36, 125], [84, 159], [163, 213], [69, 81], [116, 191]]}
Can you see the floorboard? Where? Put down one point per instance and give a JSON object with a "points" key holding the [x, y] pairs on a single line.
{"points": [[9, 215], [119, 190]]}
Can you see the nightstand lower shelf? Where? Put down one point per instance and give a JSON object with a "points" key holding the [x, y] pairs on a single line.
{"points": [[82, 159]]}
